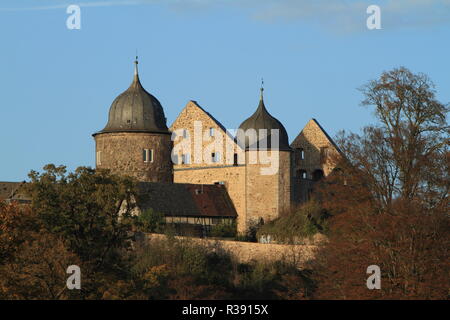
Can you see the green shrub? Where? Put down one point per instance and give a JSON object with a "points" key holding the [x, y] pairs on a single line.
{"points": [[184, 257], [150, 221], [250, 234], [302, 222], [173, 268], [223, 230]]}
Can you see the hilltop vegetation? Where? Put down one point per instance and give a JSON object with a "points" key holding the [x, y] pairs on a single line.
{"points": [[301, 223], [74, 220], [386, 204]]}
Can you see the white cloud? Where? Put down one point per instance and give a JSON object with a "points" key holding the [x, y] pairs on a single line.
{"points": [[339, 15], [81, 4], [349, 15]]}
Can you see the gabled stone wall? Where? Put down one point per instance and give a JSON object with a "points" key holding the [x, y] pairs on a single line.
{"points": [[320, 154]]}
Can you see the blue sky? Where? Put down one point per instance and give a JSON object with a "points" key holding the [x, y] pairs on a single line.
{"points": [[57, 84]]}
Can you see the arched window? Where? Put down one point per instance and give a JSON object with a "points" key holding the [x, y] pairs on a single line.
{"points": [[317, 175], [300, 153], [302, 174]]}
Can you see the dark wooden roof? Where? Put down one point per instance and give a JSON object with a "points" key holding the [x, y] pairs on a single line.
{"points": [[185, 200], [262, 119], [136, 110]]}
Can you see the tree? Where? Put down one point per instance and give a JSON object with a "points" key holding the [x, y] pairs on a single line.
{"points": [[38, 270], [407, 154], [389, 200], [33, 262], [83, 207], [15, 224]]}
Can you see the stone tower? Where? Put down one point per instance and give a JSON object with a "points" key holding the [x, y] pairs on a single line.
{"points": [[136, 141], [268, 192]]}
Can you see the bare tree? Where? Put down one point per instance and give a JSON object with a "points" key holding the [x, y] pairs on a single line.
{"points": [[407, 154], [389, 201]]}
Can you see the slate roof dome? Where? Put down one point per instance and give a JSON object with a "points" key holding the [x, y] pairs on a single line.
{"points": [[136, 110], [262, 119]]}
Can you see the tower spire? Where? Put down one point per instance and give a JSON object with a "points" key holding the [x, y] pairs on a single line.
{"points": [[136, 66], [262, 89]]}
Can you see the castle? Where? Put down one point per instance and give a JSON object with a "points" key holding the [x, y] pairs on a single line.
{"points": [[225, 185]]}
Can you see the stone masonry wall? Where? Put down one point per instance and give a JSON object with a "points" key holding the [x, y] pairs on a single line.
{"points": [[268, 196], [123, 154], [284, 180], [319, 155], [312, 138], [233, 177], [245, 252], [202, 147], [209, 173]]}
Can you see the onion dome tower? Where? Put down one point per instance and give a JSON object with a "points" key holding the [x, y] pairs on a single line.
{"points": [[268, 167], [136, 141], [262, 119]]}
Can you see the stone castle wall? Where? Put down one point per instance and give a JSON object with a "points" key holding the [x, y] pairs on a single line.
{"points": [[254, 195], [207, 172], [123, 154], [320, 155], [201, 147], [318, 150], [268, 195], [285, 182], [245, 252]]}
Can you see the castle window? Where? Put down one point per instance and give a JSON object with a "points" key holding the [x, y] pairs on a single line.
{"points": [[317, 175], [185, 133], [185, 158], [147, 155], [235, 159], [99, 157], [211, 132], [215, 157], [300, 153], [302, 174]]}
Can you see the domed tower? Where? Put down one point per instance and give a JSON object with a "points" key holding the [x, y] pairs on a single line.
{"points": [[136, 141], [268, 166]]}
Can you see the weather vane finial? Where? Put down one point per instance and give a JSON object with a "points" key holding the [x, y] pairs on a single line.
{"points": [[136, 64], [262, 87]]}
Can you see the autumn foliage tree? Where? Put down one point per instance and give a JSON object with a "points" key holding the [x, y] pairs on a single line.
{"points": [[389, 198], [78, 219], [83, 207], [33, 262], [74, 218]]}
